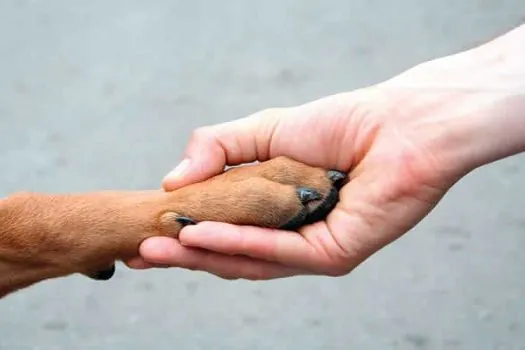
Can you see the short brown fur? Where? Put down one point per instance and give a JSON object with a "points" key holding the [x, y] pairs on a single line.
{"points": [[45, 236]]}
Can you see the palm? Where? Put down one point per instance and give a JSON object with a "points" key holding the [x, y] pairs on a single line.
{"points": [[398, 140], [393, 185]]}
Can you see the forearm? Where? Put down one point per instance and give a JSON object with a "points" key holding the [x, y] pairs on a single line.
{"points": [[498, 131], [468, 108]]}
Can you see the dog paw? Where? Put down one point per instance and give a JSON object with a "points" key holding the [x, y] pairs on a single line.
{"points": [[99, 228], [280, 193]]}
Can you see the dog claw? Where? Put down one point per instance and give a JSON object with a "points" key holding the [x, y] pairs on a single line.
{"points": [[185, 221], [104, 275], [337, 177], [324, 208], [307, 195]]}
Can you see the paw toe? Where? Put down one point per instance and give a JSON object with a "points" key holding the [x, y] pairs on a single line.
{"points": [[296, 222], [171, 223], [307, 195], [323, 209], [185, 221], [337, 177]]}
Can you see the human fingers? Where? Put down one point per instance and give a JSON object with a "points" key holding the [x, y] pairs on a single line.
{"points": [[333, 126], [211, 148], [166, 251], [311, 249]]}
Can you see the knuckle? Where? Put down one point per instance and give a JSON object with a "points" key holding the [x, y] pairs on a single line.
{"points": [[274, 112], [202, 133], [227, 277], [189, 267], [339, 272], [334, 261], [253, 277], [256, 274], [271, 111], [192, 265], [338, 269]]}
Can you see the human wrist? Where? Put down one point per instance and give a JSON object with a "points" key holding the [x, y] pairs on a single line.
{"points": [[490, 127], [490, 124], [467, 109]]}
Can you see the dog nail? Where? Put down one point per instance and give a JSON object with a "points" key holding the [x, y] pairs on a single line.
{"points": [[307, 195], [185, 221], [104, 275], [337, 177]]}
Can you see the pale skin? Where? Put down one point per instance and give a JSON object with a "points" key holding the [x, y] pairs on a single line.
{"points": [[404, 142]]}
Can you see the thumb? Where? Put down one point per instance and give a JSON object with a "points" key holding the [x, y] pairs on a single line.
{"points": [[211, 148]]}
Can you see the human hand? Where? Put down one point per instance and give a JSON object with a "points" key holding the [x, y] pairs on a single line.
{"points": [[404, 143]]}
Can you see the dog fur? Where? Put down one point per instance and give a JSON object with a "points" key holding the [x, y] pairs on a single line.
{"points": [[44, 236]]}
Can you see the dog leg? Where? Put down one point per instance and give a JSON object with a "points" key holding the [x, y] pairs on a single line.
{"points": [[47, 236]]}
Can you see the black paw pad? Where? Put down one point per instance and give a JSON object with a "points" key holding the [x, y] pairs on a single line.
{"points": [[296, 222]]}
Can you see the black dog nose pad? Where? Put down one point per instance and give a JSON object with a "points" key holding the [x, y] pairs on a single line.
{"points": [[307, 195], [337, 177]]}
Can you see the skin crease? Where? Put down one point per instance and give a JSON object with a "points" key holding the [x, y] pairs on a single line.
{"points": [[405, 142]]}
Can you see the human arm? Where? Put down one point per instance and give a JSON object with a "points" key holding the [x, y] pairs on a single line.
{"points": [[404, 142]]}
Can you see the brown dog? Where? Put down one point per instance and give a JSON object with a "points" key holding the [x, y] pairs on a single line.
{"points": [[47, 236]]}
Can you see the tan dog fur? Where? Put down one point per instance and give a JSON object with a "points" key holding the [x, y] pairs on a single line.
{"points": [[48, 236]]}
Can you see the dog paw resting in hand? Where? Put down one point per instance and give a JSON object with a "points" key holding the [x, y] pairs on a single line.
{"points": [[46, 236]]}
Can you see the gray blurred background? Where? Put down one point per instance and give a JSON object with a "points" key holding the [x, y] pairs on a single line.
{"points": [[104, 94]]}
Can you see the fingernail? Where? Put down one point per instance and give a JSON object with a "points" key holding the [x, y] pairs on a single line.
{"points": [[178, 171]]}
